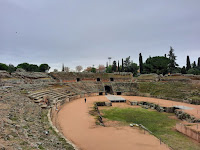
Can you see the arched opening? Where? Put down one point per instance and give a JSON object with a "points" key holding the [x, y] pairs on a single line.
{"points": [[108, 89], [98, 79], [78, 79], [111, 79], [100, 93], [119, 93]]}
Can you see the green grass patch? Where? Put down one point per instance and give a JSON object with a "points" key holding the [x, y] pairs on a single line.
{"points": [[160, 124], [176, 90]]}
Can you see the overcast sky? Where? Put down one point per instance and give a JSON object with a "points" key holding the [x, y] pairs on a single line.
{"points": [[87, 32]]}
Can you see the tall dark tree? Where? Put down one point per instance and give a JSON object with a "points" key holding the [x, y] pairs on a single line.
{"points": [[194, 65], [118, 66], [63, 68], [114, 66], [122, 65], [106, 64], [165, 55], [140, 63], [172, 65], [198, 64], [188, 65]]}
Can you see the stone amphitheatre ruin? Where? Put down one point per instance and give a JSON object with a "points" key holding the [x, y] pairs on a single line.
{"points": [[30, 102]]}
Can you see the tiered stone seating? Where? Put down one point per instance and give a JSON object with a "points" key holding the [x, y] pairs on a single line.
{"points": [[124, 87], [53, 95]]}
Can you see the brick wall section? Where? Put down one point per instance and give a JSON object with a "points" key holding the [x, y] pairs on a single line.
{"points": [[187, 131]]}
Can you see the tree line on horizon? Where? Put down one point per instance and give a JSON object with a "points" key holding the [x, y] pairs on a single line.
{"points": [[26, 66], [157, 64]]}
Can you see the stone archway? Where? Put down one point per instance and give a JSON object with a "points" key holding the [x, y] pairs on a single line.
{"points": [[108, 89]]}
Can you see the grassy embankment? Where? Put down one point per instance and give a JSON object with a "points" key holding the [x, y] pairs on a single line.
{"points": [[171, 90], [160, 124]]}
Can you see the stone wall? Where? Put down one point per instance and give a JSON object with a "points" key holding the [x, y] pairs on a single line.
{"points": [[104, 77], [188, 131]]}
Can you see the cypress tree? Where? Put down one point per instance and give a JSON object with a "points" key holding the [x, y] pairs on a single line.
{"points": [[198, 64], [194, 65], [122, 65], [118, 66], [188, 65], [63, 68], [141, 63], [114, 66]]}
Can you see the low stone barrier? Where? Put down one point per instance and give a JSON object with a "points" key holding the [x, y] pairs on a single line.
{"points": [[180, 114], [184, 116], [103, 103], [131, 102]]}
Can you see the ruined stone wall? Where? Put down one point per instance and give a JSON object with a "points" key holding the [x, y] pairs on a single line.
{"points": [[104, 77], [188, 131]]}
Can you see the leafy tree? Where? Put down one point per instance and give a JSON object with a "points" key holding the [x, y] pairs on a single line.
{"points": [[66, 69], [79, 68], [88, 69], [188, 65], [158, 64], [55, 70], [11, 68], [33, 68], [127, 63], [133, 68], [44, 67], [24, 66], [140, 63], [194, 71], [172, 64], [109, 69], [101, 68], [93, 70], [3, 66], [183, 70], [114, 66]]}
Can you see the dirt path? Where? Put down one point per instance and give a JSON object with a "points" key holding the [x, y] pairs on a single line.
{"points": [[79, 127], [195, 111]]}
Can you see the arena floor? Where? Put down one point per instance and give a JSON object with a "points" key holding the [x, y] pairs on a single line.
{"points": [[79, 126]]}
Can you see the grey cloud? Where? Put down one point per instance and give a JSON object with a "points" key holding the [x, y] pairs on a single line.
{"points": [[87, 32]]}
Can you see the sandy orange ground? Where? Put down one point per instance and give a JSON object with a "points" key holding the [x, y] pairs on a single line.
{"points": [[79, 127], [167, 103]]}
